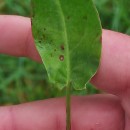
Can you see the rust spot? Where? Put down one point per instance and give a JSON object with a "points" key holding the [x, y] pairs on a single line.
{"points": [[61, 57], [62, 47]]}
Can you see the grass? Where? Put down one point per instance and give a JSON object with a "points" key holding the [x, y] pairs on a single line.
{"points": [[23, 80]]}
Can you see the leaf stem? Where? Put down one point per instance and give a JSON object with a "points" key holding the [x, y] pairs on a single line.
{"points": [[68, 107]]}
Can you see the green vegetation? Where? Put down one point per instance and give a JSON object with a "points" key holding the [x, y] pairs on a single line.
{"points": [[69, 47], [22, 80]]}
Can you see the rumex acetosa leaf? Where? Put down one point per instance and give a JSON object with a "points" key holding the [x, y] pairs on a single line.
{"points": [[67, 35]]}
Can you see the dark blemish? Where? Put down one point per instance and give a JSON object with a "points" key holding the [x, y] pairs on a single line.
{"points": [[62, 47], [61, 57], [54, 49], [85, 17], [44, 29], [39, 41], [68, 17]]}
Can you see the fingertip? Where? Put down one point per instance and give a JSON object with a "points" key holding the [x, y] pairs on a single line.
{"points": [[31, 50], [113, 73], [16, 37]]}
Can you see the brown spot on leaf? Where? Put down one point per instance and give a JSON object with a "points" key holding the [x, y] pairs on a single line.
{"points": [[61, 57], [62, 47]]}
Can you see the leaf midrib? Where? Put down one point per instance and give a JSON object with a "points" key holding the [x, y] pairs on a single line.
{"points": [[66, 42]]}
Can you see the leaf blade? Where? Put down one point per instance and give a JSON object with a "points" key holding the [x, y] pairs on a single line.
{"points": [[63, 35]]}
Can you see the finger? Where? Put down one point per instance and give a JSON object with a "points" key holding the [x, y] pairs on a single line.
{"points": [[92, 112], [16, 37], [114, 73]]}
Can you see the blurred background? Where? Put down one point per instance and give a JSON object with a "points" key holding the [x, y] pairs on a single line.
{"points": [[23, 80]]}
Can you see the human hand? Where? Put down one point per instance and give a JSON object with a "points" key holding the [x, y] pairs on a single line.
{"points": [[98, 112]]}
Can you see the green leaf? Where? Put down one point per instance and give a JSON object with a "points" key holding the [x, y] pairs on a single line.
{"points": [[67, 35]]}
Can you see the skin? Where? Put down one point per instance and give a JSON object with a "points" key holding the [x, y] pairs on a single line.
{"points": [[98, 112]]}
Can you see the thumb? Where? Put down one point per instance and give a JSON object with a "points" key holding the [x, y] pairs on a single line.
{"points": [[114, 73], [90, 112]]}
